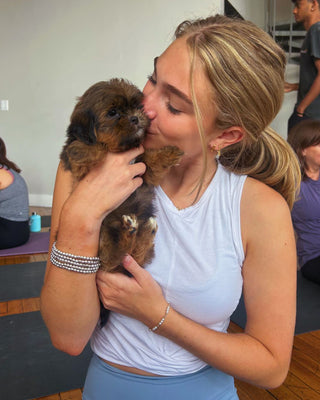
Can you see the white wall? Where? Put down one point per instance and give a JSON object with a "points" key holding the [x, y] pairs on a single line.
{"points": [[52, 50]]}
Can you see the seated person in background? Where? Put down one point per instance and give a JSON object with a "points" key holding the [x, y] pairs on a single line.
{"points": [[305, 140], [14, 203]]}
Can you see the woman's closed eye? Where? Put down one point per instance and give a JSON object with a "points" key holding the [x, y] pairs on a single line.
{"points": [[172, 110], [151, 79]]}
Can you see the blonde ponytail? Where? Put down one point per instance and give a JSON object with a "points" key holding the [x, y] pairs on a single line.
{"points": [[270, 159], [246, 70]]}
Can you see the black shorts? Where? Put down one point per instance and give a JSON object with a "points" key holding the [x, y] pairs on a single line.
{"points": [[13, 233], [311, 270]]}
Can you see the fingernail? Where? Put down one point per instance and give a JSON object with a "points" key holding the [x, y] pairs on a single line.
{"points": [[127, 258]]}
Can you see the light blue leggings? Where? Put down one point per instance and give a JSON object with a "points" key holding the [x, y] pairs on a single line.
{"points": [[104, 382]]}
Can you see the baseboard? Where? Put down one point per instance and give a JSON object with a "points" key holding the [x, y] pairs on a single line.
{"points": [[40, 200]]}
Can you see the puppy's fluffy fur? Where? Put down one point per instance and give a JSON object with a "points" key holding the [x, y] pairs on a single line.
{"points": [[109, 117]]}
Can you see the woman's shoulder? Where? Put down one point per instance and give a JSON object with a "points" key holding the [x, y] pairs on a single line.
{"points": [[262, 203], [258, 194], [264, 212]]}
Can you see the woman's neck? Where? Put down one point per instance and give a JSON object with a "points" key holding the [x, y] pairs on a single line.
{"points": [[313, 172], [181, 185]]}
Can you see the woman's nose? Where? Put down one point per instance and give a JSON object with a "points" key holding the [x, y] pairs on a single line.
{"points": [[149, 102]]}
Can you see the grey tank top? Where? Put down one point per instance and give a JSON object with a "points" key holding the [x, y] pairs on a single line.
{"points": [[14, 200]]}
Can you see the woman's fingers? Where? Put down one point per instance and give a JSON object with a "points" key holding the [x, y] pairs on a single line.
{"points": [[135, 269], [110, 183]]}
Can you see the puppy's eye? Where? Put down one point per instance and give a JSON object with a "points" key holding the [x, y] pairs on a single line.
{"points": [[113, 113]]}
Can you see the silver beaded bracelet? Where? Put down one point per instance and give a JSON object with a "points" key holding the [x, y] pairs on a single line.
{"points": [[72, 262], [162, 319]]}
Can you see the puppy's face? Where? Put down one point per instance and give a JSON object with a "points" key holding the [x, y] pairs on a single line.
{"points": [[111, 113]]}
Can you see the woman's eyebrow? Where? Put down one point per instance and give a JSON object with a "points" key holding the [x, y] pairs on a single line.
{"points": [[178, 93], [172, 88]]}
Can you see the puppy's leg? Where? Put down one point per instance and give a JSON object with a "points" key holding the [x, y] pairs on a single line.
{"points": [[144, 249], [159, 161], [117, 240], [81, 157], [129, 234]]}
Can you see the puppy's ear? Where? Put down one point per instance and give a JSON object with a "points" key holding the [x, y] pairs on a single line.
{"points": [[83, 127]]}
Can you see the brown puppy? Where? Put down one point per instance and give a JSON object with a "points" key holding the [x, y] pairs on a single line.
{"points": [[110, 117]]}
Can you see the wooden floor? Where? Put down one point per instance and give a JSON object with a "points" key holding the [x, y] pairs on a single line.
{"points": [[303, 381]]}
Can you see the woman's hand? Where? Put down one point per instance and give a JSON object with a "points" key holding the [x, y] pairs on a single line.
{"points": [[139, 297], [108, 185], [101, 191]]}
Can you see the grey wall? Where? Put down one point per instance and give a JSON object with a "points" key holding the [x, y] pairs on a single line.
{"points": [[253, 10], [284, 10]]}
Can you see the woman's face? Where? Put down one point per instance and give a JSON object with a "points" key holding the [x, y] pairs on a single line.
{"points": [[312, 156], [168, 102]]}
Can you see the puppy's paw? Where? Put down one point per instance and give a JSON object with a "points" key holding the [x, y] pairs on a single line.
{"points": [[159, 161], [152, 225], [130, 223], [170, 156]]}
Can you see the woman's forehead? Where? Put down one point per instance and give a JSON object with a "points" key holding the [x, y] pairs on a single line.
{"points": [[175, 64]]}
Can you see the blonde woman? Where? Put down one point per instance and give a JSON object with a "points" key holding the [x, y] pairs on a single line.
{"points": [[224, 227]]}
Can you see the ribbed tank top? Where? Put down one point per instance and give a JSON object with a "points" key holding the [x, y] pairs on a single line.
{"points": [[198, 260]]}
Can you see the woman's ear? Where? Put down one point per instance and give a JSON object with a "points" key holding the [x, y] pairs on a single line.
{"points": [[228, 137]]}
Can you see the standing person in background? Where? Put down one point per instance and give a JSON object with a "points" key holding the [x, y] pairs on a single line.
{"points": [[307, 12], [223, 225], [305, 140], [14, 203]]}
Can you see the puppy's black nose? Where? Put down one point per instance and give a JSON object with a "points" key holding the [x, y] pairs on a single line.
{"points": [[134, 120]]}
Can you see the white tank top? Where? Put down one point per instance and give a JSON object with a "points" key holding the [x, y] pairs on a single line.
{"points": [[198, 260]]}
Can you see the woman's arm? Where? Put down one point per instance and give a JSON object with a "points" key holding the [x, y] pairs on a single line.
{"points": [[69, 300], [261, 354]]}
